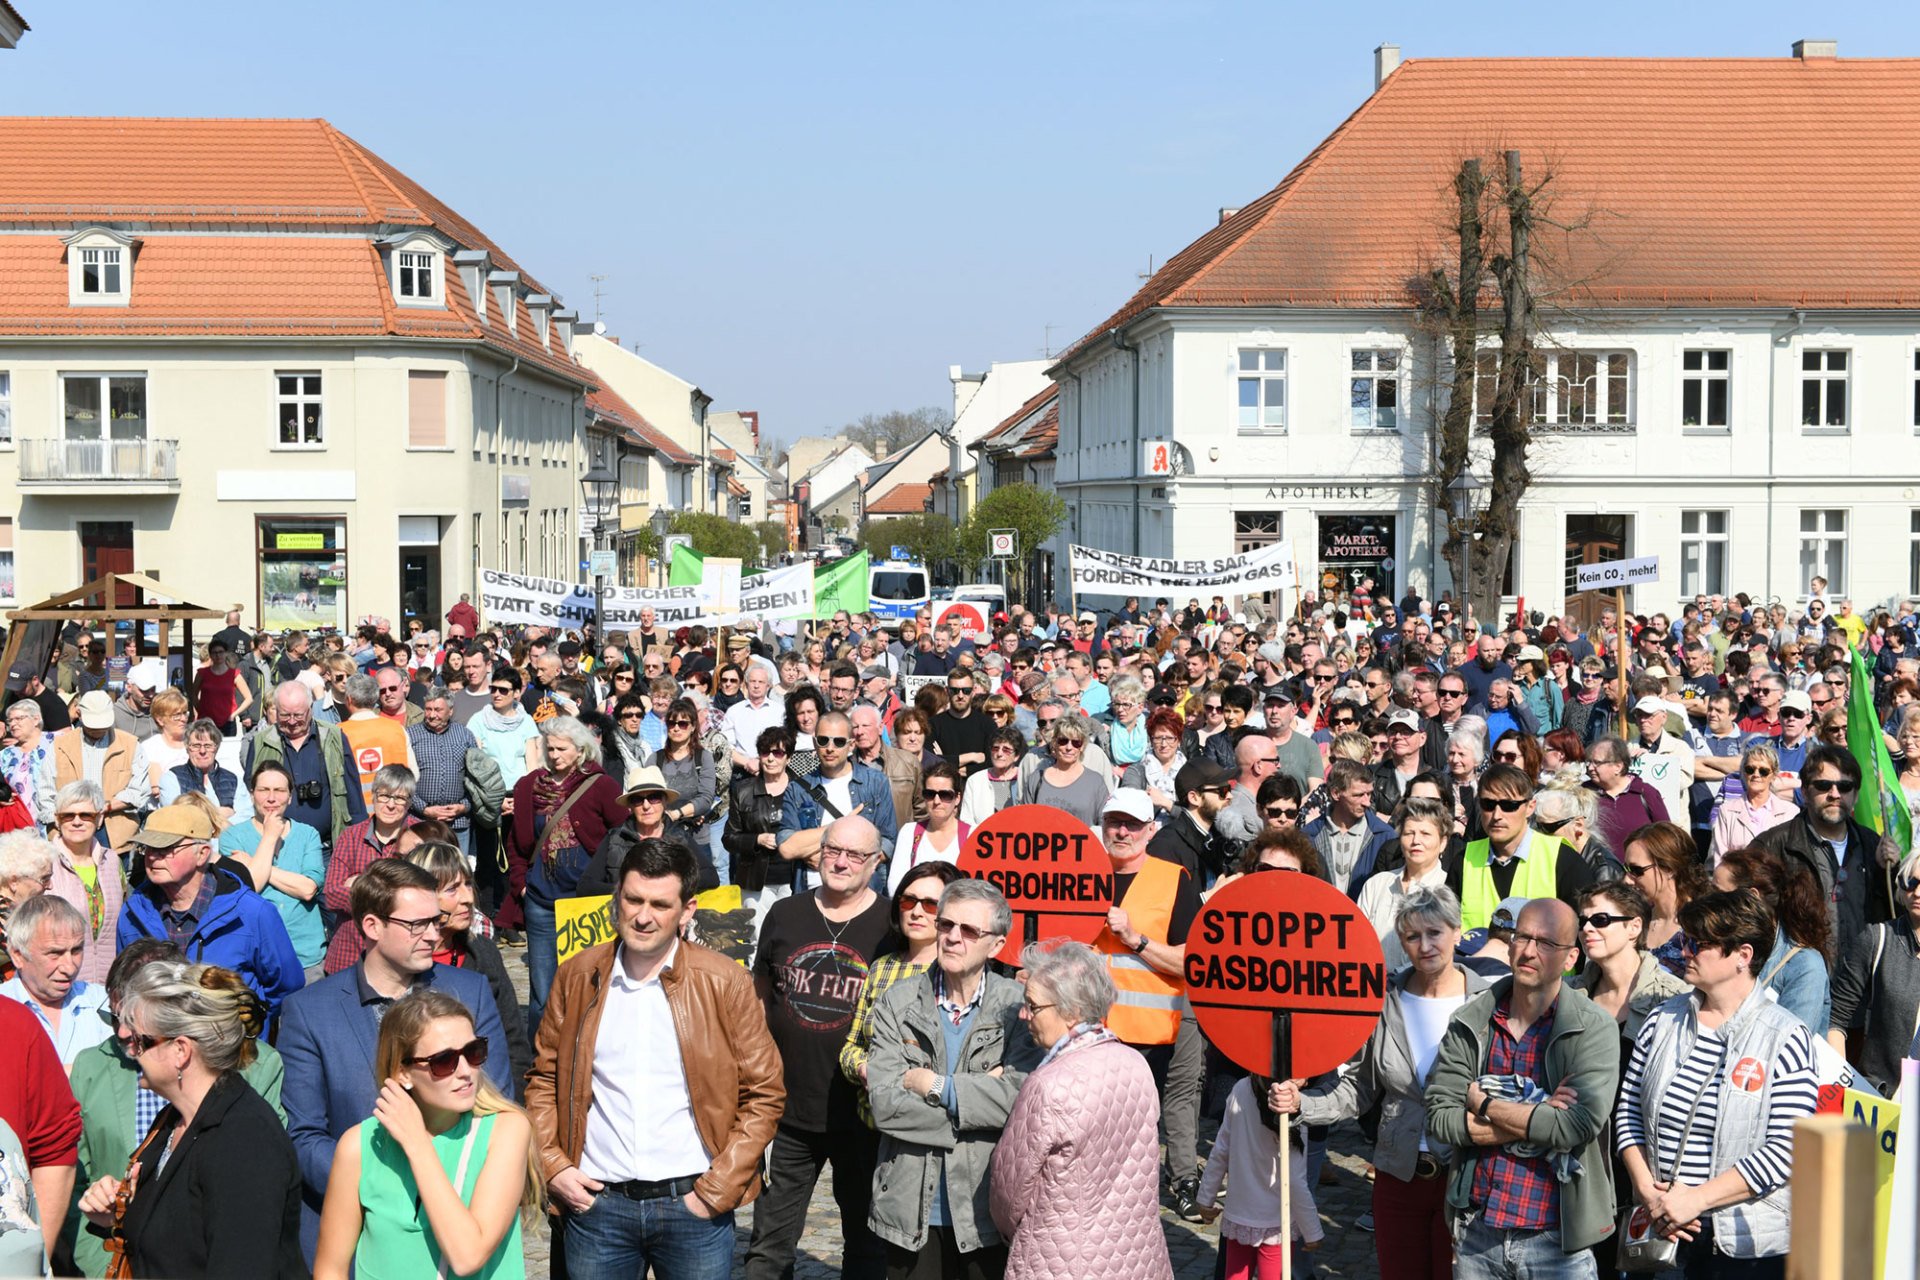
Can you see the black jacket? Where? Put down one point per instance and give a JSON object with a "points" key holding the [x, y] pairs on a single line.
{"points": [[483, 957], [1203, 854], [603, 872], [228, 1201], [1797, 845], [753, 814]]}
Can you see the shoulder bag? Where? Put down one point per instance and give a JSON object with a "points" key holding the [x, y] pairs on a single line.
{"points": [[1641, 1251]]}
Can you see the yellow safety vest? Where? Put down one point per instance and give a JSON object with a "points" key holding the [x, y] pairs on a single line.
{"points": [[1147, 1003], [1535, 878]]}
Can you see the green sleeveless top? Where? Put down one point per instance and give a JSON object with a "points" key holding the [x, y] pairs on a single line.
{"points": [[395, 1241]]}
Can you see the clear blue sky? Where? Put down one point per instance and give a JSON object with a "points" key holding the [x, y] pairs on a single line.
{"points": [[813, 209]]}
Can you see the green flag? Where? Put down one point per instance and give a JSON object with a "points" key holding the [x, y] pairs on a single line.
{"points": [[685, 569], [1881, 806], [841, 584]]}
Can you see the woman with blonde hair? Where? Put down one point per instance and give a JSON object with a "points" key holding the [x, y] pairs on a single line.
{"points": [[159, 755], [437, 1181]]}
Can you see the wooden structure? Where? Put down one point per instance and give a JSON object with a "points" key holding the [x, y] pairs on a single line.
{"points": [[1834, 1183], [99, 601]]}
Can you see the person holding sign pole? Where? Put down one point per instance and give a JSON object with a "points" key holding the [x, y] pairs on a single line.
{"points": [[1528, 1033], [1411, 1240]]}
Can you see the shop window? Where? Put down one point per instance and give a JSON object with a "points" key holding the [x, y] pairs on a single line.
{"points": [[303, 572]]}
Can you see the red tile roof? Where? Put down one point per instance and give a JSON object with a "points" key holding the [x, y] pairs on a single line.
{"points": [[1765, 182], [194, 183], [901, 500], [605, 402], [1008, 424]]}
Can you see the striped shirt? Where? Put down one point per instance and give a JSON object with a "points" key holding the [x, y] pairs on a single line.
{"points": [[1705, 1074]]}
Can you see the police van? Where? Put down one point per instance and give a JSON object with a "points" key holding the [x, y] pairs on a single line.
{"points": [[897, 589]]}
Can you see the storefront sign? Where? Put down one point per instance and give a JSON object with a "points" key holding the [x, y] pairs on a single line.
{"points": [[1110, 573], [1321, 492], [299, 542], [1364, 544], [1290, 943]]}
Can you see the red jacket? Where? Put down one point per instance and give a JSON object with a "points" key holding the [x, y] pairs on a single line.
{"points": [[465, 615], [35, 1099]]}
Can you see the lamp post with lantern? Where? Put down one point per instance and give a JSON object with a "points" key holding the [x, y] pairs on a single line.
{"points": [[600, 487]]}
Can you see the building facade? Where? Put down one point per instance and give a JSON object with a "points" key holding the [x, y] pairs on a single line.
{"points": [[256, 360], [1730, 383]]}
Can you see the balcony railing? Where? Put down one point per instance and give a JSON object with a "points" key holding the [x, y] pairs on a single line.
{"points": [[101, 462]]}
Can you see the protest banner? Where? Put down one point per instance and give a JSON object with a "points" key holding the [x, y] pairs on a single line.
{"points": [[974, 615], [911, 685], [514, 599], [1285, 943], [1052, 868], [1109, 573], [1882, 1119], [721, 578], [518, 600], [719, 922]]}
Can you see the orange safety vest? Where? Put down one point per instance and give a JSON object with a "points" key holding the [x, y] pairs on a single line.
{"points": [[371, 746], [1147, 1003]]}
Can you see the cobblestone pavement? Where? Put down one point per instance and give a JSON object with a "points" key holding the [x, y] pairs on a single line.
{"points": [[1346, 1254]]}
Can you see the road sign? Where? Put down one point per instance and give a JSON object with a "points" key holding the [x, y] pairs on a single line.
{"points": [[1050, 866], [901, 553], [1158, 460], [975, 618], [603, 564], [1285, 942], [1615, 575], [1003, 544]]}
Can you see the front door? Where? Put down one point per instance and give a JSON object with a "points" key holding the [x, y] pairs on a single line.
{"points": [[420, 586], [106, 546], [1594, 539]]}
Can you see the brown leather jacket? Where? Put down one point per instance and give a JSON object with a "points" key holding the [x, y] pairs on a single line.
{"points": [[734, 1076]]}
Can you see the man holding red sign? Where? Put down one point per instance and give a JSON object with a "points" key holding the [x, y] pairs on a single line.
{"points": [[1145, 943]]}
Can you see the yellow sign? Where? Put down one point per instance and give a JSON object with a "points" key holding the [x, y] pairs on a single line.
{"points": [[299, 542], [1882, 1119], [581, 923]]}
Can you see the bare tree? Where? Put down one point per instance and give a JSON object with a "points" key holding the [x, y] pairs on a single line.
{"points": [[896, 428]]}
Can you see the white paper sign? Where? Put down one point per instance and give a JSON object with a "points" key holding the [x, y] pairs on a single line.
{"points": [[1110, 573], [1615, 575], [511, 599]]}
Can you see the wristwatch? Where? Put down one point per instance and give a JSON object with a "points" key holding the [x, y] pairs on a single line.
{"points": [[936, 1094], [1486, 1100], [1141, 945]]}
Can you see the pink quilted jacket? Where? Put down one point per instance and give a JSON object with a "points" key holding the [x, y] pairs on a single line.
{"points": [[1076, 1174]]}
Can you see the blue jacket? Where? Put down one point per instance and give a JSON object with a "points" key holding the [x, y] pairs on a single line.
{"points": [[326, 1043], [242, 931], [871, 791], [1320, 831]]}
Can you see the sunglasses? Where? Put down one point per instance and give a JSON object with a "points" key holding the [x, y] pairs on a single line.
{"points": [[138, 1044], [1601, 919], [946, 795], [729, 680], [1453, 693], [780, 752], [501, 688], [1489, 803], [1757, 772], [944, 926], [1825, 785], [1282, 811], [1339, 721], [1637, 869], [679, 722], [440, 1065], [831, 742], [633, 714], [916, 902]]}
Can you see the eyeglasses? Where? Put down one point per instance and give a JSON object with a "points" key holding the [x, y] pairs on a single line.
{"points": [[389, 798], [1489, 803], [915, 902], [138, 1044], [1823, 785], [972, 933], [1535, 940], [440, 1065], [418, 928], [1035, 1010], [633, 713], [1124, 821], [76, 817], [1601, 919], [1637, 869], [1282, 811], [819, 741], [945, 795], [851, 857]]}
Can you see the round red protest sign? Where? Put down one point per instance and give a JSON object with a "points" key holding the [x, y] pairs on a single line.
{"points": [[1281, 941], [1050, 865], [971, 613]]}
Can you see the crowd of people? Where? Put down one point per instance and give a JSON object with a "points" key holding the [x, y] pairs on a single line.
{"points": [[256, 1019]]}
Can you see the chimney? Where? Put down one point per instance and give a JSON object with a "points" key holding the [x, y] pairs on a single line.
{"points": [[1228, 210], [1386, 58], [879, 450], [1812, 50]]}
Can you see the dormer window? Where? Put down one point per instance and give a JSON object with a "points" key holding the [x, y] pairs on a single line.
{"points": [[100, 268], [417, 272]]}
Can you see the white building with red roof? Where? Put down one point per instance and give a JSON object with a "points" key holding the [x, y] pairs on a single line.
{"points": [[259, 361], [1732, 374]]}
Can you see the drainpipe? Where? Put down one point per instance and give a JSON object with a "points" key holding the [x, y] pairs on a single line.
{"points": [[500, 454], [1776, 339], [1120, 343]]}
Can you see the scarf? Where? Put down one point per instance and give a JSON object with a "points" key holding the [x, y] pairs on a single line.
{"points": [[1082, 1035], [497, 723], [549, 793]]}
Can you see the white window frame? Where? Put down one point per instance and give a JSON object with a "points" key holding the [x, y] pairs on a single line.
{"points": [[1552, 390], [1705, 376], [412, 258], [6, 410], [1264, 375], [1374, 376], [1828, 378], [1821, 541], [1913, 556], [1705, 538], [105, 377], [9, 555], [302, 397], [106, 250], [1913, 358]]}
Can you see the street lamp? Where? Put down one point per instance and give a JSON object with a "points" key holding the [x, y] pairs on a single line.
{"points": [[1462, 492], [661, 522], [600, 486]]}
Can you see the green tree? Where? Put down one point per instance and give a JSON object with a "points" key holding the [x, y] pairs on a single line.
{"points": [[928, 538], [715, 535], [773, 540], [1034, 514]]}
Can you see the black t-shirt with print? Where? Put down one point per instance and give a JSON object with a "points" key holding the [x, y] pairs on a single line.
{"points": [[809, 983]]}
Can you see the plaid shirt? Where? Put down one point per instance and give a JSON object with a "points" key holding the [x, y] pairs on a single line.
{"points": [[881, 974], [442, 758], [353, 853], [1517, 1194]]}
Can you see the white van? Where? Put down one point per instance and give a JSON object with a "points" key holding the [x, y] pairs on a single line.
{"points": [[991, 594]]}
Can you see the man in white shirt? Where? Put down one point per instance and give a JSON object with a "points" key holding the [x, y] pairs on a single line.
{"points": [[46, 937], [1662, 760], [745, 720], [650, 1142]]}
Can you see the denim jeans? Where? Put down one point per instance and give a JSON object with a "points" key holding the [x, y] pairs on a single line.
{"points": [[618, 1238], [543, 957], [794, 1161], [722, 860], [1490, 1253]]}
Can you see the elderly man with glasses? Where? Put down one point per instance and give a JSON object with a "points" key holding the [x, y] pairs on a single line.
{"points": [[948, 1058]]}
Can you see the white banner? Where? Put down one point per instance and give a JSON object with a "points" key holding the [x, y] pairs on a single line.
{"points": [[1613, 575], [518, 600], [1110, 573]]}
